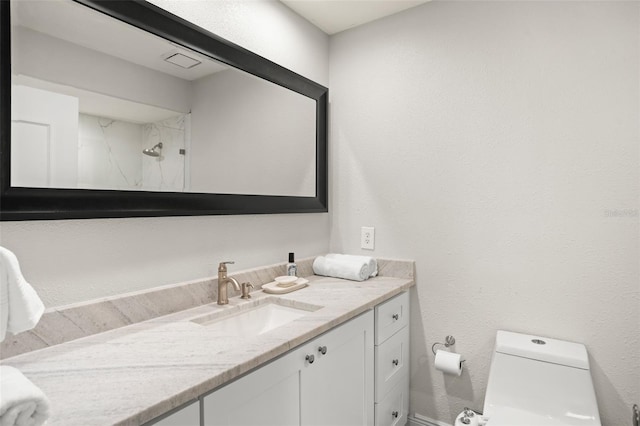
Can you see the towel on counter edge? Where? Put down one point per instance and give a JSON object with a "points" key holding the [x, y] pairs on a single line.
{"points": [[20, 306], [355, 268], [21, 402]]}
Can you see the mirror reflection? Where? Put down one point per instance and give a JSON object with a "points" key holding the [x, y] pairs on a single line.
{"points": [[99, 104]]}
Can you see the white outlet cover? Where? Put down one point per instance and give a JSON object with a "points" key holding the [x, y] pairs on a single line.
{"points": [[367, 237]]}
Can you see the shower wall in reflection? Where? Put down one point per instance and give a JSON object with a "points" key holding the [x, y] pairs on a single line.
{"points": [[167, 172], [110, 154]]}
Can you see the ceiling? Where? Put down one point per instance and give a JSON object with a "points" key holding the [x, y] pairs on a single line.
{"points": [[110, 36], [97, 32], [333, 16]]}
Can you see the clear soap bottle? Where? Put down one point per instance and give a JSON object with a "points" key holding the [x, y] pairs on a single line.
{"points": [[292, 268]]}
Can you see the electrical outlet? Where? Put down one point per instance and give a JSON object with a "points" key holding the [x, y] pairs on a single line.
{"points": [[367, 237]]}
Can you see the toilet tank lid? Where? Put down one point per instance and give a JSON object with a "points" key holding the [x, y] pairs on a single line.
{"points": [[542, 349]]}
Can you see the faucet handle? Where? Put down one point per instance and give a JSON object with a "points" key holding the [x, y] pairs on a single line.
{"points": [[222, 267]]}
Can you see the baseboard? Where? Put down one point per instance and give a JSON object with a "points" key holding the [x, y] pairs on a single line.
{"points": [[420, 420]]}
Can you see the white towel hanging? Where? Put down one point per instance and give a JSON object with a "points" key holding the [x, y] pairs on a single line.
{"points": [[20, 306]]}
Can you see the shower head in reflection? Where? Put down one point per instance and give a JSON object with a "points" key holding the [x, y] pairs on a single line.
{"points": [[152, 151]]}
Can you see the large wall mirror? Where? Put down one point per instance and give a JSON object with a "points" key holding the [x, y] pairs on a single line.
{"points": [[121, 109]]}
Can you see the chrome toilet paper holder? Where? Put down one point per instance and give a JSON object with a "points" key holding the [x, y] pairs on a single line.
{"points": [[448, 341]]}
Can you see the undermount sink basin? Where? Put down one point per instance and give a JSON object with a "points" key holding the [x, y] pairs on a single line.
{"points": [[255, 318]]}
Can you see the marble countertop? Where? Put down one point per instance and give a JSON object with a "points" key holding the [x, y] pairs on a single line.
{"points": [[132, 374]]}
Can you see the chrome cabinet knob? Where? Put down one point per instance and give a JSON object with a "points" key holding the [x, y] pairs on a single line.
{"points": [[395, 316], [322, 350], [395, 362], [310, 359], [395, 414]]}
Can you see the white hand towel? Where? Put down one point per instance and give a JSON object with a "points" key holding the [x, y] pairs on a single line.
{"points": [[20, 306], [371, 262], [340, 268], [21, 402]]}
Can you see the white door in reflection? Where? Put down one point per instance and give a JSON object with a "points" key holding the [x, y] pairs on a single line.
{"points": [[44, 128]]}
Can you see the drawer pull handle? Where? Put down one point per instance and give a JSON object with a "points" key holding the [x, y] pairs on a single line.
{"points": [[395, 414], [322, 350], [395, 362], [310, 359], [395, 316]]}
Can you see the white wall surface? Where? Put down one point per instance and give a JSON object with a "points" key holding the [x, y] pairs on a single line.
{"points": [[74, 260], [261, 135], [496, 143]]}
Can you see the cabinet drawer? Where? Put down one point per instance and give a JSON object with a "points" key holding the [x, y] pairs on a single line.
{"points": [[393, 409], [391, 316], [392, 362]]}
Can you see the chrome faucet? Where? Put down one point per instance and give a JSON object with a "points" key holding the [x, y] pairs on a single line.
{"points": [[223, 280]]}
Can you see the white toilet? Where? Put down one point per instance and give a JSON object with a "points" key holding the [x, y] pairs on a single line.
{"points": [[535, 381]]}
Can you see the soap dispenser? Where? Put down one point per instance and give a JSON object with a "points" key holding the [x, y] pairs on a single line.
{"points": [[292, 268]]}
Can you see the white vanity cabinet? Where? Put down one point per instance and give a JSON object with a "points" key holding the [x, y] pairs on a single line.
{"points": [[392, 361], [356, 374], [327, 381]]}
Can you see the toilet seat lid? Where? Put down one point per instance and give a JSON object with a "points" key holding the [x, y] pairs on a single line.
{"points": [[507, 416]]}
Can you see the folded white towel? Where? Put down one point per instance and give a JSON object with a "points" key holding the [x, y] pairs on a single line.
{"points": [[21, 402], [371, 262], [342, 267], [20, 306]]}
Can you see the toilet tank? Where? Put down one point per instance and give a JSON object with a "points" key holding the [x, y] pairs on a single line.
{"points": [[536, 381]]}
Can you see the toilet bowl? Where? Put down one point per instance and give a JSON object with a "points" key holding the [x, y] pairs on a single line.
{"points": [[536, 381]]}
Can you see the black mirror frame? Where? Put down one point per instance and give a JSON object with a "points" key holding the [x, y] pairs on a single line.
{"points": [[18, 203]]}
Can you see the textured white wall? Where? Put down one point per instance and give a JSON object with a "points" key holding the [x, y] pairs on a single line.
{"points": [[76, 260], [496, 143]]}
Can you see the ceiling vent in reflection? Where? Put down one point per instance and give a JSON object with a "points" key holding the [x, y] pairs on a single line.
{"points": [[183, 61]]}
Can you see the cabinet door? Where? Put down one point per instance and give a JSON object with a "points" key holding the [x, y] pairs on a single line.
{"points": [[337, 388], [269, 396], [188, 416]]}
